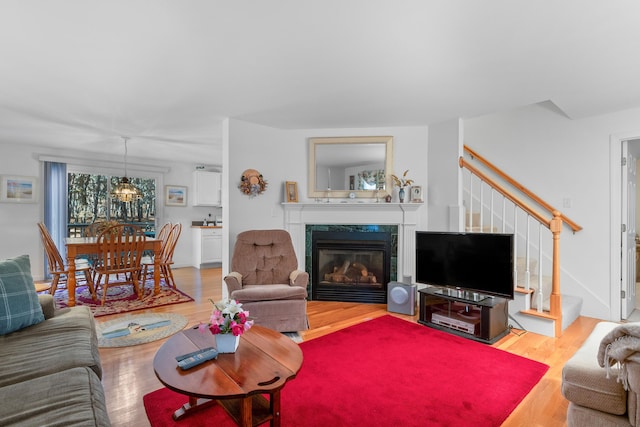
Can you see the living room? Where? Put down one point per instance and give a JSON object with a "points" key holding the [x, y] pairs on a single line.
{"points": [[559, 135]]}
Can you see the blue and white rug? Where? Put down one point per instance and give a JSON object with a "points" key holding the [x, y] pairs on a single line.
{"points": [[134, 329]]}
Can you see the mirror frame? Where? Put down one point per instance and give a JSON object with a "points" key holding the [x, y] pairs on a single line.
{"points": [[388, 165]]}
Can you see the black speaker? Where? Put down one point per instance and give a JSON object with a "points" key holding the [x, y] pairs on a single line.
{"points": [[401, 298]]}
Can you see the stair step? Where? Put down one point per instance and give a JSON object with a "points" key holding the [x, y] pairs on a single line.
{"points": [[543, 323]]}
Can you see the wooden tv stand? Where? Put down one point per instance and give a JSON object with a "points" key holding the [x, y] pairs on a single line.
{"points": [[468, 314]]}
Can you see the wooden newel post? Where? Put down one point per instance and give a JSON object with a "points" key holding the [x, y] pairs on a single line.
{"points": [[555, 226]]}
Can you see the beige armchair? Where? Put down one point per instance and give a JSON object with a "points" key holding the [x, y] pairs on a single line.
{"points": [[265, 279], [598, 398]]}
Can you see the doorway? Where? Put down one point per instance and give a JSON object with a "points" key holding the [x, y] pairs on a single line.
{"points": [[630, 182]]}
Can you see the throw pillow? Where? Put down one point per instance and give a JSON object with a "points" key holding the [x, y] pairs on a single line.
{"points": [[19, 305]]}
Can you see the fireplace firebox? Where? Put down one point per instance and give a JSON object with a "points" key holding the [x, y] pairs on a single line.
{"points": [[350, 266]]}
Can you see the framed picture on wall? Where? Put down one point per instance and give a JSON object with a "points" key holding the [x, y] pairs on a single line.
{"points": [[175, 195], [416, 193], [291, 191], [18, 189]]}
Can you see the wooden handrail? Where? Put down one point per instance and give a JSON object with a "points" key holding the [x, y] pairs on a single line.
{"points": [[554, 224], [575, 227], [506, 194]]}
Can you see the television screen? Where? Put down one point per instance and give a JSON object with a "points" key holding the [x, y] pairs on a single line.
{"points": [[479, 262]]}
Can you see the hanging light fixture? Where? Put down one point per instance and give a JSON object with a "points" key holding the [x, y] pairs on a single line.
{"points": [[125, 191]]}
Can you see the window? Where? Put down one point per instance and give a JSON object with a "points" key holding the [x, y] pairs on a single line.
{"points": [[89, 201]]}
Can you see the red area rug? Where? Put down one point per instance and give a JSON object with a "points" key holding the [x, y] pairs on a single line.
{"points": [[122, 298], [387, 372]]}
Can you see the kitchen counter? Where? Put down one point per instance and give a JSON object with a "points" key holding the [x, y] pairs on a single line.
{"points": [[206, 226]]}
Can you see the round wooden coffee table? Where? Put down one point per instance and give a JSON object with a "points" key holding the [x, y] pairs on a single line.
{"points": [[264, 361]]}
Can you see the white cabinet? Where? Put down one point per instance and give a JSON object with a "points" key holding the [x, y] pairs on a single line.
{"points": [[207, 246], [206, 188]]}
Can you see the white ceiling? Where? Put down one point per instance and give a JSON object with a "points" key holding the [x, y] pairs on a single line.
{"points": [[80, 73]]}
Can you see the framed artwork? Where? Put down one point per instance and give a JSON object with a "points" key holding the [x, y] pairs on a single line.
{"points": [[291, 191], [18, 189], [175, 195], [416, 193]]}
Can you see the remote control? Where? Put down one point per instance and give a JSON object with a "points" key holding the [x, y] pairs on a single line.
{"points": [[199, 358], [184, 356]]}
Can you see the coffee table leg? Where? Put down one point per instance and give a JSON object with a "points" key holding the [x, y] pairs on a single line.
{"points": [[275, 408], [194, 404], [246, 412]]}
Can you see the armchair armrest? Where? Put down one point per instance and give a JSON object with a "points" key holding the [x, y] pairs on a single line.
{"points": [[299, 278], [233, 281], [633, 395], [47, 304]]}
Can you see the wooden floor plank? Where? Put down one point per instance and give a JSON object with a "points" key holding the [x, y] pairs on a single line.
{"points": [[128, 371]]}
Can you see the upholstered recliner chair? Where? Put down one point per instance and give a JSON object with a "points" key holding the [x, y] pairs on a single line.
{"points": [[265, 279], [598, 396]]}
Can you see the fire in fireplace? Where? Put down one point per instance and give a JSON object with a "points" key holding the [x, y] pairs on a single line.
{"points": [[350, 266]]}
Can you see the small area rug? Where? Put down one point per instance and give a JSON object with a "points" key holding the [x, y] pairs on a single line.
{"points": [[122, 298], [387, 372], [134, 329]]}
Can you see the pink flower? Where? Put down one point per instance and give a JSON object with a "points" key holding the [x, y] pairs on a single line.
{"points": [[237, 328], [215, 329], [217, 317]]}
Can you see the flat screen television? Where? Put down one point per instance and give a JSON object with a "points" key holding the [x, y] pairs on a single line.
{"points": [[477, 262]]}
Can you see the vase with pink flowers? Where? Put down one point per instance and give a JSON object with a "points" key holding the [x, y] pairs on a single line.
{"points": [[227, 323]]}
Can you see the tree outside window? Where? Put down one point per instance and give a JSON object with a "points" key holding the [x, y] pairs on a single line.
{"points": [[89, 201]]}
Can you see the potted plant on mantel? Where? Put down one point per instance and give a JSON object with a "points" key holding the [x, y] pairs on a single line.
{"points": [[228, 321], [401, 182]]}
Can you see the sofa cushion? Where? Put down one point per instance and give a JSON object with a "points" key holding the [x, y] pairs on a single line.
{"points": [[585, 382], [65, 341], [268, 292], [19, 305], [73, 397]]}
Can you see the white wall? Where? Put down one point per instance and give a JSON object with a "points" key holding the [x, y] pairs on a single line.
{"points": [[282, 155], [443, 191], [564, 160], [18, 230]]}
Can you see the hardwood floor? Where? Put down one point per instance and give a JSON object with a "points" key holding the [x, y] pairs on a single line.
{"points": [[128, 372]]}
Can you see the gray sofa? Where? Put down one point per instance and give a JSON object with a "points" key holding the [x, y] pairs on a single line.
{"points": [[594, 399], [50, 372]]}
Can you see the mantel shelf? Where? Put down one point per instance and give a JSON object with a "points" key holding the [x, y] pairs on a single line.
{"points": [[406, 207]]}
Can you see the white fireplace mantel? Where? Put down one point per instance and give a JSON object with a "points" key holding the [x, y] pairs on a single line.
{"points": [[404, 215]]}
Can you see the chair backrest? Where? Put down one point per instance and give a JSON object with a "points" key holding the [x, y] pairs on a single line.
{"points": [[164, 232], [54, 259], [163, 235], [121, 247], [264, 257], [93, 229], [172, 240]]}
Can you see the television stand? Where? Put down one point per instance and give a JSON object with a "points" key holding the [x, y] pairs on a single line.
{"points": [[468, 314]]}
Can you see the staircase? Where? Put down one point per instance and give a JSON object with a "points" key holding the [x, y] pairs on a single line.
{"points": [[495, 202]]}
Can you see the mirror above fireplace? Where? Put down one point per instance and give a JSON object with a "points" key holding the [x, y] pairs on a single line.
{"points": [[340, 166]]}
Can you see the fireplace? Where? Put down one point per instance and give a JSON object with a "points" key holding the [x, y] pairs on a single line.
{"points": [[350, 266]]}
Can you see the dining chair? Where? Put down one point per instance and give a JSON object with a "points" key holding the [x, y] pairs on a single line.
{"points": [[166, 255], [148, 258], [57, 267], [120, 251]]}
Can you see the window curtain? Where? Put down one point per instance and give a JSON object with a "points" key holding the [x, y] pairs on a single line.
{"points": [[55, 205]]}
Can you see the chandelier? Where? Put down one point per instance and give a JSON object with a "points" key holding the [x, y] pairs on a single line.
{"points": [[125, 191]]}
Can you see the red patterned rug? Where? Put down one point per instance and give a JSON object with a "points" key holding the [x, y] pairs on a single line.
{"points": [[387, 372], [122, 298]]}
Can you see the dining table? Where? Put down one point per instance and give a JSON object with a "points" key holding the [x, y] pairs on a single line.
{"points": [[89, 245]]}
